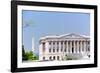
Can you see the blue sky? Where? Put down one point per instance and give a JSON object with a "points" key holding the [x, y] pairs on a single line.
{"points": [[42, 23]]}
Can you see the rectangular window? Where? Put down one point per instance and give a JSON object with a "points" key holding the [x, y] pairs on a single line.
{"points": [[43, 47], [53, 50], [57, 49], [57, 57], [50, 50], [61, 49]]}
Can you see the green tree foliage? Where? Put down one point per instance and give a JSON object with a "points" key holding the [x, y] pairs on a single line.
{"points": [[28, 55], [35, 57], [23, 54]]}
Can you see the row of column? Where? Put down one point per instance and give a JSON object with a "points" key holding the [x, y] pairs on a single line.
{"points": [[70, 46]]}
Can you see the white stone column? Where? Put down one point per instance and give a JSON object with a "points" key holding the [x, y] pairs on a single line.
{"points": [[51, 46], [77, 46], [84, 46], [63, 46], [46, 47], [67, 46], [74, 47], [56, 46], [81, 46], [60, 46], [70, 46], [63, 51]]}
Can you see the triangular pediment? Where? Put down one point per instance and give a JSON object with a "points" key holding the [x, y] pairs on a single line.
{"points": [[66, 36], [72, 35]]}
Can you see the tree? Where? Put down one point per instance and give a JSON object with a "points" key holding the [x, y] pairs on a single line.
{"points": [[29, 55], [35, 57], [23, 53]]}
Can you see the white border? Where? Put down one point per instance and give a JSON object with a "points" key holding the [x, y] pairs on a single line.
{"points": [[53, 63]]}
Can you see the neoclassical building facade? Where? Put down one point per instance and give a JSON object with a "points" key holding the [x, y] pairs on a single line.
{"points": [[60, 47]]}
